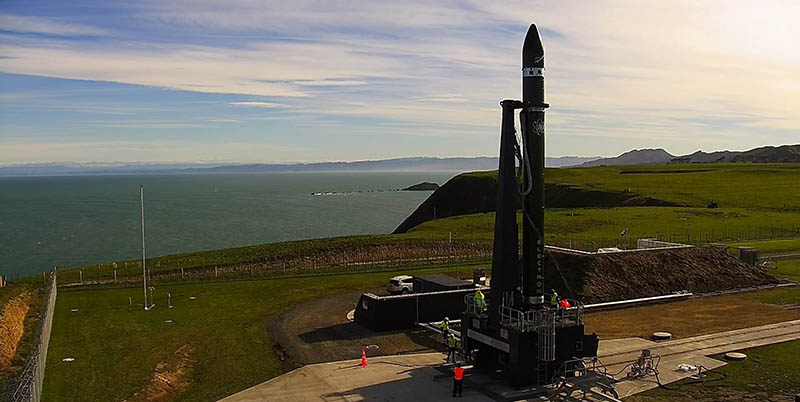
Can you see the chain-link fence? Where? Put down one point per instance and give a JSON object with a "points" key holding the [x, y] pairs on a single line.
{"points": [[31, 380]]}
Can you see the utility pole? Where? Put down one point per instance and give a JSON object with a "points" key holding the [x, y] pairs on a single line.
{"points": [[144, 269]]}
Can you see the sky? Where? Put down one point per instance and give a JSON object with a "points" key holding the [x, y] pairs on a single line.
{"points": [[303, 81]]}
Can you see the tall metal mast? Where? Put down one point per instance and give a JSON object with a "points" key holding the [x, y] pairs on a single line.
{"points": [[144, 269]]}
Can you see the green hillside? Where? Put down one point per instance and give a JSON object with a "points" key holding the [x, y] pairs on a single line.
{"points": [[587, 208], [758, 186], [224, 328], [768, 186]]}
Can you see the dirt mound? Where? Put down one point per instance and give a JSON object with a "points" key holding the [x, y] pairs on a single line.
{"points": [[169, 377], [607, 277], [12, 326]]}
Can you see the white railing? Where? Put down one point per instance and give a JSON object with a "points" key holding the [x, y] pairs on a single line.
{"points": [[531, 320], [30, 382]]}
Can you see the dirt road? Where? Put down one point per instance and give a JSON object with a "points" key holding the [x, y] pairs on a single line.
{"points": [[318, 331]]}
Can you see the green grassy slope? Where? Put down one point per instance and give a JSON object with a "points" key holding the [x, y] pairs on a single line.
{"points": [[116, 346], [761, 186], [605, 225], [770, 186], [788, 270], [586, 228], [772, 246]]}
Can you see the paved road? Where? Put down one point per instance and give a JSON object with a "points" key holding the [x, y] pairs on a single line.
{"points": [[415, 377]]}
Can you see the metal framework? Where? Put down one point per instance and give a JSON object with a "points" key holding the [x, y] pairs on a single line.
{"points": [[535, 320], [587, 376], [645, 365]]}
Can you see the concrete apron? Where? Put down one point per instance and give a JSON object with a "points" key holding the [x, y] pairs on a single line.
{"points": [[416, 377]]}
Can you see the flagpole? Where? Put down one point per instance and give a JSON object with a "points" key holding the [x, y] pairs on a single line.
{"points": [[144, 269]]}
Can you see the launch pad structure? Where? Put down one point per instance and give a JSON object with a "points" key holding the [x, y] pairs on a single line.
{"points": [[518, 334]]}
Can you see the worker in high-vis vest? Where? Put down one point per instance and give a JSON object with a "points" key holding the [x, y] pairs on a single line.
{"points": [[554, 299], [563, 303], [451, 348], [445, 325], [458, 380], [480, 301]]}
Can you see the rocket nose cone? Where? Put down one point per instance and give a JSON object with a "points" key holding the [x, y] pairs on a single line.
{"points": [[532, 49]]}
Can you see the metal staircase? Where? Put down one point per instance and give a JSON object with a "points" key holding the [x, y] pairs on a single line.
{"points": [[546, 331]]}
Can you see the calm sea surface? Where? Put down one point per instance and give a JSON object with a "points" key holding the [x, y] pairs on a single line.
{"points": [[76, 220]]}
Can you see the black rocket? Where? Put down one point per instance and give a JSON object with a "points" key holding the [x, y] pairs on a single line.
{"points": [[532, 125], [520, 333]]}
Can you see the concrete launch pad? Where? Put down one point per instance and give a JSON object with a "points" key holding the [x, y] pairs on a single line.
{"points": [[420, 377]]}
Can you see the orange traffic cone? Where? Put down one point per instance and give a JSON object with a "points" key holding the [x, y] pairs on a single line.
{"points": [[364, 358]]}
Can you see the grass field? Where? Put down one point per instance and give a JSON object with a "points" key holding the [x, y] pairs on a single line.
{"points": [[116, 347], [789, 269], [693, 225], [768, 374], [762, 186], [739, 185], [772, 246]]}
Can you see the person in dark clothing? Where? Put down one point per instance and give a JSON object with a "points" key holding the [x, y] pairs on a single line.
{"points": [[458, 380]]}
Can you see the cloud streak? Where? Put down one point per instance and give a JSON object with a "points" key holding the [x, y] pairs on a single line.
{"points": [[256, 104], [37, 25], [664, 75]]}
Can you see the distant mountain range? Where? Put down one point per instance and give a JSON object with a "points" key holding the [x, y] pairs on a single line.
{"points": [[398, 164], [781, 154], [635, 157], [769, 154]]}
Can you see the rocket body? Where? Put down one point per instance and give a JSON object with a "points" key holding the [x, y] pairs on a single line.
{"points": [[519, 334], [532, 125]]}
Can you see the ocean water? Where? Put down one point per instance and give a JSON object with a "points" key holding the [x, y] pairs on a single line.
{"points": [[68, 221]]}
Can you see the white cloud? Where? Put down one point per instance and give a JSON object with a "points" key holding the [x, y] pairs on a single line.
{"points": [[256, 104], [26, 24], [330, 83], [669, 72], [446, 98]]}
